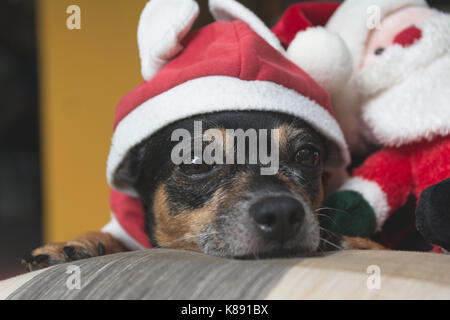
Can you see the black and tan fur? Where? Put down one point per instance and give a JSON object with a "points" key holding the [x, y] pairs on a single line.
{"points": [[209, 212]]}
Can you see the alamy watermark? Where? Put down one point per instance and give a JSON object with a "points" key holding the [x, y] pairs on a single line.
{"points": [[374, 280], [229, 141], [74, 279], [373, 17], [73, 21]]}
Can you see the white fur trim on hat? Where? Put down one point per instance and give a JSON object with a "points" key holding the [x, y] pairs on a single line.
{"points": [[373, 194], [354, 18], [162, 25], [413, 101], [118, 232], [323, 55], [229, 10], [224, 94]]}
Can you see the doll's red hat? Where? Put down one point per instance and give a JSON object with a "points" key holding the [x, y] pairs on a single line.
{"points": [[309, 44]]}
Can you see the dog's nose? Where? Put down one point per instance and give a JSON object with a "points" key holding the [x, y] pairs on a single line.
{"points": [[277, 218]]}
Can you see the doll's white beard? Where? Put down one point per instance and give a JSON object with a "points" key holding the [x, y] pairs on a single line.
{"points": [[418, 108], [406, 93]]}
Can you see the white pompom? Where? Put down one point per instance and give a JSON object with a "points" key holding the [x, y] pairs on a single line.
{"points": [[229, 10], [162, 26], [324, 56]]}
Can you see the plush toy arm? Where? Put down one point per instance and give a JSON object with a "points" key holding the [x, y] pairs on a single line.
{"points": [[380, 186]]}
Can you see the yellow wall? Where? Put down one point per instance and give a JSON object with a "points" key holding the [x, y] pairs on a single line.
{"points": [[83, 74]]}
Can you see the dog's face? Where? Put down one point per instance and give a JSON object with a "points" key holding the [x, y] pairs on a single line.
{"points": [[231, 210]]}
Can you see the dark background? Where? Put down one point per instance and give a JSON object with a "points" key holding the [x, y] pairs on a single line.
{"points": [[20, 213], [20, 181]]}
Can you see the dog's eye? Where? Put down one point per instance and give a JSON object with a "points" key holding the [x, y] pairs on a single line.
{"points": [[195, 167], [308, 157], [191, 169], [379, 51]]}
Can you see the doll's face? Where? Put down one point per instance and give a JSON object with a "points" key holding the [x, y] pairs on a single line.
{"points": [[403, 89], [383, 37]]}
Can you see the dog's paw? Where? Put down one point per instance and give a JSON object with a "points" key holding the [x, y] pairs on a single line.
{"points": [[356, 243], [57, 253]]}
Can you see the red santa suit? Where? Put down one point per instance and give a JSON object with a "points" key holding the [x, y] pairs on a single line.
{"points": [[388, 177]]}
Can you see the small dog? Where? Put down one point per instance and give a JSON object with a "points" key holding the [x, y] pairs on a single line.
{"points": [[226, 210]]}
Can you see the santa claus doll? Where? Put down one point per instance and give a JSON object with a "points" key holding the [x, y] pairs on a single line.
{"points": [[396, 99]]}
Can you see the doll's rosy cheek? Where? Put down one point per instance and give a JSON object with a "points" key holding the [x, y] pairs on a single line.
{"points": [[408, 36], [381, 40]]}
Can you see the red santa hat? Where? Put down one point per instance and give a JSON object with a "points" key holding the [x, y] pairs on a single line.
{"points": [[234, 64], [321, 53], [354, 20]]}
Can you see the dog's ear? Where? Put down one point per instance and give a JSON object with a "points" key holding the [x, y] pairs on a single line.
{"points": [[130, 169]]}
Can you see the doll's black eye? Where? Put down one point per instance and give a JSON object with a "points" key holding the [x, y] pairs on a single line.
{"points": [[379, 51], [308, 157]]}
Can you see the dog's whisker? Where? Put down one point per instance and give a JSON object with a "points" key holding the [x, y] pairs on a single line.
{"points": [[334, 209], [329, 232], [190, 237], [328, 217], [331, 244], [325, 216]]}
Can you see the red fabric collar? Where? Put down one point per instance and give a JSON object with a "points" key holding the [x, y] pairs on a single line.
{"points": [[130, 214]]}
